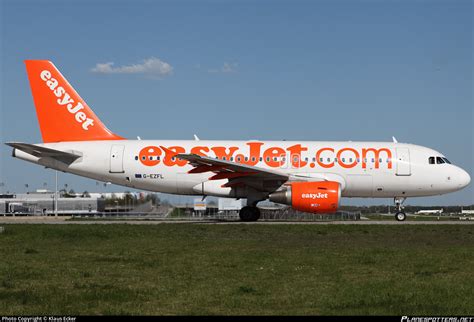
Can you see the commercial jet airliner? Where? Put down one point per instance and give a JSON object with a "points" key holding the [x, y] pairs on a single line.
{"points": [[310, 176]]}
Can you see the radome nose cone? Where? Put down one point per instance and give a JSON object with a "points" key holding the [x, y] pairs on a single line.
{"points": [[464, 178]]}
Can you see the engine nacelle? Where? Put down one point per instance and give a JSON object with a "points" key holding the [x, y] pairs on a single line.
{"points": [[313, 197]]}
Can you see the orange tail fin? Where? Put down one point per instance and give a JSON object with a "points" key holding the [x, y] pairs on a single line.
{"points": [[62, 113]]}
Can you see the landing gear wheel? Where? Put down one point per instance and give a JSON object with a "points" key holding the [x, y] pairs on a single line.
{"points": [[400, 216], [249, 213]]}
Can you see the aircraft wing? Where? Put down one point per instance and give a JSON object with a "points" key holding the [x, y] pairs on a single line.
{"points": [[43, 152], [236, 173]]}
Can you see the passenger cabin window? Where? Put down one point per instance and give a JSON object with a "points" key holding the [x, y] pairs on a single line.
{"points": [[439, 160], [431, 160]]}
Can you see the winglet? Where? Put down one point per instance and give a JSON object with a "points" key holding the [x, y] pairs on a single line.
{"points": [[169, 151]]}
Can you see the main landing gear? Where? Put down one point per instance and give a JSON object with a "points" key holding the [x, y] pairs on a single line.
{"points": [[400, 215], [249, 213]]}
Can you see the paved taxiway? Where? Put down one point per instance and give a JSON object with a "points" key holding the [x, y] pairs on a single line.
{"points": [[65, 221]]}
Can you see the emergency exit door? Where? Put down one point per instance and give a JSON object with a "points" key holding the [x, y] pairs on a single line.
{"points": [[403, 162], [116, 159]]}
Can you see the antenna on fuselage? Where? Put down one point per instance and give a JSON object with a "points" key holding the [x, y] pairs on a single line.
{"points": [[196, 137], [394, 139]]}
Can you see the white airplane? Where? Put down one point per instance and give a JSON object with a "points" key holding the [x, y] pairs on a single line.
{"points": [[309, 176], [427, 211]]}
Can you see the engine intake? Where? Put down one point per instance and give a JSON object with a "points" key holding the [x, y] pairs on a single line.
{"points": [[313, 197]]}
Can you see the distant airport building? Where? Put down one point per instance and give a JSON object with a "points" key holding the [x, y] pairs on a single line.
{"points": [[200, 205], [230, 204], [42, 202]]}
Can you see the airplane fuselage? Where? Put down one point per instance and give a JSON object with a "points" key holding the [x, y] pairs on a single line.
{"points": [[364, 169]]}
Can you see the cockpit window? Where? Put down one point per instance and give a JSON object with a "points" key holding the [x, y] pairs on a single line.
{"points": [[446, 160], [439, 160], [431, 160]]}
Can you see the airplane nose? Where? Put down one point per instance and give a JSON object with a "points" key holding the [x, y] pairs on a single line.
{"points": [[463, 178]]}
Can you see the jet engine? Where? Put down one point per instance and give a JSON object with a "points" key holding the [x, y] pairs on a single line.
{"points": [[314, 197]]}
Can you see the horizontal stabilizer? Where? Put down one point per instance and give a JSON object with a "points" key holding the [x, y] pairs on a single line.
{"points": [[42, 152]]}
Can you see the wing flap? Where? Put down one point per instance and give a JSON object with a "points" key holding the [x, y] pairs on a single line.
{"points": [[228, 169]]}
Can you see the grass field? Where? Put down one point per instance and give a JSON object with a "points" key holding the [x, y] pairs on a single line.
{"points": [[237, 269]]}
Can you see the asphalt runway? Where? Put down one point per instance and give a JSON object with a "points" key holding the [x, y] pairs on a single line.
{"points": [[65, 221]]}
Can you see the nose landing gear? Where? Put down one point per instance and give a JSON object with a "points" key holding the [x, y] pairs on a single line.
{"points": [[400, 215]]}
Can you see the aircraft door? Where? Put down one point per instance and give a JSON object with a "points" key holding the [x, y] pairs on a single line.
{"points": [[116, 159], [403, 162]]}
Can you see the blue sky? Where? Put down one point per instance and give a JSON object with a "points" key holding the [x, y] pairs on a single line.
{"points": [[301, 70]]}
